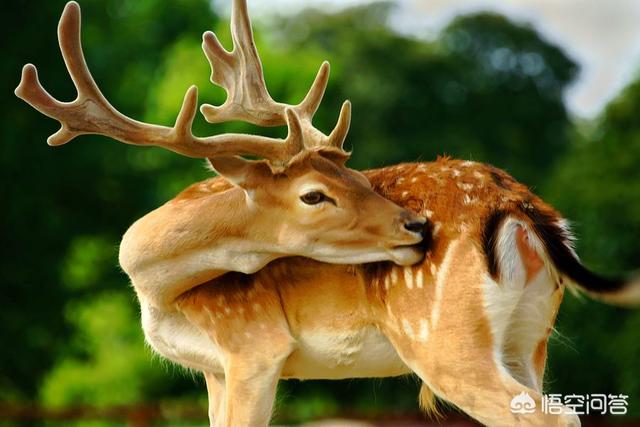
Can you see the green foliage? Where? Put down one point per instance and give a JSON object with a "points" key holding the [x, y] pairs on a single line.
{"points": [[486, 89], [111, 363], [54, 199], [598, 185]]}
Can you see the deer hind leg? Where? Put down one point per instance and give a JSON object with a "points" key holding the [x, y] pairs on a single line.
{"points": [[461, 361], [527, 330], [462, 368], [524, 348], [485, 391]]}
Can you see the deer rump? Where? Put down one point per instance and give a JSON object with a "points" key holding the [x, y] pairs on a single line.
{"points": [[550, 240]]}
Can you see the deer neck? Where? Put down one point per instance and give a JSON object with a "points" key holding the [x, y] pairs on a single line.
{"points": [[251, 230]]}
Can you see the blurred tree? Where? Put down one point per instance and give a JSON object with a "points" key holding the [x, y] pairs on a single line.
{"points": [[598, 186], [487, 89], [65, 209]]}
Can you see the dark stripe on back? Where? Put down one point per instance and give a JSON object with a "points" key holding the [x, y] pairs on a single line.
{"points": [[490, 240]]}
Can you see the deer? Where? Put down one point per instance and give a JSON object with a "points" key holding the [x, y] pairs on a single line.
{"points": [[471, 318], [300, 199]]}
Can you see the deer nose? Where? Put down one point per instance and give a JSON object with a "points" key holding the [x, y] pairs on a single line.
{"points": [[415, 226]]}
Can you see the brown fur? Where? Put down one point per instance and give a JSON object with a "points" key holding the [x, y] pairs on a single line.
{"points": [[264, 319]]}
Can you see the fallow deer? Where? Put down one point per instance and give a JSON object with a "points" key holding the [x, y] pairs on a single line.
{"points": [[300, 200], [472, 320]]}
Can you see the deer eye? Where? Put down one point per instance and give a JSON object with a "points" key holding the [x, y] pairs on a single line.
{"points": [[314, 198]]}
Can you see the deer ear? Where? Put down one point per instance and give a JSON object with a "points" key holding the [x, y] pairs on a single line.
{"points": [[339, 157], [239, 171]]}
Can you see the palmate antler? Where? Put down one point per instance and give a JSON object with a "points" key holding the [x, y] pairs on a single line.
{"points": [[239, 72]]}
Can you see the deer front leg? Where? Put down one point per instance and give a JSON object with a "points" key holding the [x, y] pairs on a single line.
{"points": [[216, 395], [244, 320], [251, 388]]}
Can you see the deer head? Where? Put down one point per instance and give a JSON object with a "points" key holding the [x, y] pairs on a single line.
{"points": [[321, 208]]}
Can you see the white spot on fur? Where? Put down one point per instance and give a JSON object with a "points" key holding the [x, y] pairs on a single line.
{"points": [[467, 163], [394, 276], [455, 172], [407, 328], [428, 213], [400, 180], [408, 278], [436, 228], [478, 175], [414, 180], [209, 314], [389, 312], [466, 199], [433, 269], [464, 186], [423, 332], [419, 279], [386, 282], [227, 310], [405, 194]]}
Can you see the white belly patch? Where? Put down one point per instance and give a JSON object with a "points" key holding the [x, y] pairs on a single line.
{"points": [[330, 354], [319, 354], [177, 339]]}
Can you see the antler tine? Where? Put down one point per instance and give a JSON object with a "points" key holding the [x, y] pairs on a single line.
{"points": [[240, 73], [339, 133], [309, 105], [71, 48], [30, 89], [91, 113]]}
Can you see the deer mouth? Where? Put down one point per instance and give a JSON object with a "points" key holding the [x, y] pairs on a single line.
{"points": [[409, 254], [406, 255]]}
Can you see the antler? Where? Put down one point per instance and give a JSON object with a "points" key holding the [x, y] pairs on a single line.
{"points": [[239, 72], [91, 113]]}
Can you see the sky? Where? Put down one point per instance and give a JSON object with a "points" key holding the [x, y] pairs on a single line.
{"points": [[603, 36]]}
